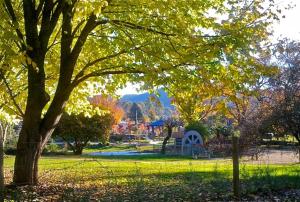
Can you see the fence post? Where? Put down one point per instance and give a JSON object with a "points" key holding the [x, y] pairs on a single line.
{"points": [[1, 168], [235, 162]]}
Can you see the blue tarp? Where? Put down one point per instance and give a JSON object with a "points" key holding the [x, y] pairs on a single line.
{"points": [[157, 123]]}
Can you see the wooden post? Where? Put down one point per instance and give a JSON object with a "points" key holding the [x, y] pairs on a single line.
{"points": [[235, 163], [1, 168]]}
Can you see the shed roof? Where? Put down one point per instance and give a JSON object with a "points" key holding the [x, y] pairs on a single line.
{"points": [[157, 123]]}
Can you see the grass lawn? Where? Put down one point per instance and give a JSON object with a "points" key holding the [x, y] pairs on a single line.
{"points": [[121, 147], [150, 178]]}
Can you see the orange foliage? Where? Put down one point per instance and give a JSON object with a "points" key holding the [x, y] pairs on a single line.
{"points": [[110, 104]]}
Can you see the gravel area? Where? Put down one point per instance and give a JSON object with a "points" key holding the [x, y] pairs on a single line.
{"points": [[273, 156]]}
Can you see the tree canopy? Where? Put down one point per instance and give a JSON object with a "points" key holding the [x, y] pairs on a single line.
{"points": [[109, 38], [107, 103], [283, 95]]}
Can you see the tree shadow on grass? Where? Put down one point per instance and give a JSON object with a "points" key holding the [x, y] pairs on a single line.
{"points": [[182, 186], [266, 184], [163, 185]]}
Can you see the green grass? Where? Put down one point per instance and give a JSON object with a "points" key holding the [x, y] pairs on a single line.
{"points": [[121, 147], [96, 148], [156, 177], [288, 138]]}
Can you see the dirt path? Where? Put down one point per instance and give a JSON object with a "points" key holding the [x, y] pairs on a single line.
{"points": [[276, 157]]}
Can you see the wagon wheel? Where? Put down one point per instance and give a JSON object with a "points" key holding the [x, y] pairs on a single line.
{"points": [[192, 139]]}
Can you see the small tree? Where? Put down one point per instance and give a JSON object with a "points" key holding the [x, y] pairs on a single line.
{"points": [[78, 130], [169, 123]]}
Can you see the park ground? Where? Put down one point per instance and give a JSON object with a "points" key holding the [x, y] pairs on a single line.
{"points": [[156, 178]]}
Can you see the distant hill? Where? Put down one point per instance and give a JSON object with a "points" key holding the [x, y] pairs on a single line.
{"points": [[138, 98]]}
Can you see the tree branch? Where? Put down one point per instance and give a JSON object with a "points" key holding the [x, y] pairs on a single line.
{"points": [[104, 73], [77, 28], [50, 18], [91, 24], [40, 7], [10, 11], [102, 59], [11, 94], [139, 27]]}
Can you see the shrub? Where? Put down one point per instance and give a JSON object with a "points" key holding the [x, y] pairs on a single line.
{"points": [[116, 138], [10, 147], [52, 148], [200, 128], [78, 130]]}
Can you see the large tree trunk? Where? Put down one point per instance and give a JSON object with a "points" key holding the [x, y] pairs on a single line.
{"points": [[78, 150], [26, 163], [34, 135], [32, 140], [29, 149]]}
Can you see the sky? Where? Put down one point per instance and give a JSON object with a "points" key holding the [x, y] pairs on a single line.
{"points": [[287, 27]]}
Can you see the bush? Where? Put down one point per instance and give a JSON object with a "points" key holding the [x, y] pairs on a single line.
{"points": [[10, 147], [116, 138], [200, 128], [52, 148], [78, 130]]}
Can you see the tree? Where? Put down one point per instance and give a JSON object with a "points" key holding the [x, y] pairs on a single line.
{"points": [[59, 45], [169, 124], [230, 91], [283, 97], [194, 104], [78, 130], [109, 104], [154, 109]]}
